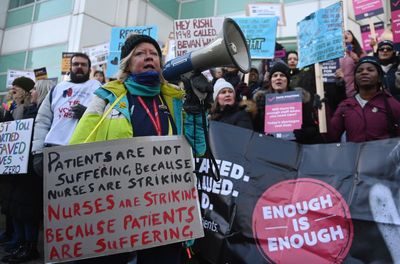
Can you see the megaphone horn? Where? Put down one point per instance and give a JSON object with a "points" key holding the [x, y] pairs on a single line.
{"points": [[229, 48]]}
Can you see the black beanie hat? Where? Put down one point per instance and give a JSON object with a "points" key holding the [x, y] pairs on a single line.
{"points": [[280, 67], [370, 59], [386, 43], [25, 83], [135, 39]]}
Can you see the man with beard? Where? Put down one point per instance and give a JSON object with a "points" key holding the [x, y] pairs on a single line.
{"points": [[62, 108]]}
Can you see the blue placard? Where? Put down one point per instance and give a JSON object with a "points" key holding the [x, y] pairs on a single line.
{"points": [[118, 36], [321, 36], [260, 33]]}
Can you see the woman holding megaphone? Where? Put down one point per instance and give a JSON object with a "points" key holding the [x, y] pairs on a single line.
{"points": [[141, 103]]}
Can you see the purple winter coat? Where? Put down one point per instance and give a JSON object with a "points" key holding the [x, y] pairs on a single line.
{"points": [[364, 124]]}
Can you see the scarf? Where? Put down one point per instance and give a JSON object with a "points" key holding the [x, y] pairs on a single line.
{"points": [[143, 84]]}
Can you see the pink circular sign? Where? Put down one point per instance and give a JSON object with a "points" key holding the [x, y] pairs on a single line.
{"points": [[303, 219]]}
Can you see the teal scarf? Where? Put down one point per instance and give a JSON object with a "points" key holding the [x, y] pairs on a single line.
{"points": [[135, 88]]}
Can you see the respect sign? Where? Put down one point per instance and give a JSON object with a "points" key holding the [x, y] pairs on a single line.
{"points": [[15, 143], [118, 36], [105, 198], [320, 36]]}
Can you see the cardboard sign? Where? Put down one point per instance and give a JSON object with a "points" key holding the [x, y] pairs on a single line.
{"points": [[329, 70], [192, 34], [66, 62], [395, 13], [267, 10], [367, 8], [366, 34], [13, 74], [118, 36], [98, 54], [283, 114], [41, 73], [260, 33], [15, 144], [111, 197], [320, 36]]}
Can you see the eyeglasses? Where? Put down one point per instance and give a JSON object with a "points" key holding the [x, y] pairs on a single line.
{"points": [[76, 64], [385, 49]]}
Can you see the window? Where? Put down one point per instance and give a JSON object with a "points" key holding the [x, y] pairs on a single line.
{"points": [[27, 11], [49, 57], [19, 3]]}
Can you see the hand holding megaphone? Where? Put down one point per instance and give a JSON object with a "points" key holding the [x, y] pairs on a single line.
{"points": [[198, 93]]}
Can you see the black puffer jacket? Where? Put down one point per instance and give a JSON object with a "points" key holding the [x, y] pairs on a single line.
{"points": [[235, 115]]}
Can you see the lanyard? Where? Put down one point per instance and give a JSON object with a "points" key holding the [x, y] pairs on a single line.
{"points": [[154, 119]]}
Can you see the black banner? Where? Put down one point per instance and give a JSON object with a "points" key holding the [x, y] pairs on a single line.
{"points": [[281, 202]]}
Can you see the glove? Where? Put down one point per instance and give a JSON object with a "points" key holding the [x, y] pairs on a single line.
{"points": [[78, 110], [317, 103], [38, 164], [198, 94]]}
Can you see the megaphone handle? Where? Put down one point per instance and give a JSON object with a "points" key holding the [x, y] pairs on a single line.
{"points": [[214, 173]]}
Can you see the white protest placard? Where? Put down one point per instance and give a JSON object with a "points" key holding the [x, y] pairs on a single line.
{"points": [[13, 74], [267, 10], [195, 33], [15, 144], [110, 197], [98, 54]]}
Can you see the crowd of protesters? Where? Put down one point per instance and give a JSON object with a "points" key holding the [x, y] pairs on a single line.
{"points": [[362, 105]]}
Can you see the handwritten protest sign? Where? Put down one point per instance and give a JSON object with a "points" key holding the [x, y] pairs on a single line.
{"points": [[118, 36], [192, 34], [13, 74], [267, 10], [320, 36], [15, 144], [283, 114], [111, 197], [98, 54], [395, 14], [260, 33], [367, 8], [329, 70], [366, 34]]}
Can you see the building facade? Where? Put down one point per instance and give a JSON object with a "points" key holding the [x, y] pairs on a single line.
{"points": [[34, 33]]}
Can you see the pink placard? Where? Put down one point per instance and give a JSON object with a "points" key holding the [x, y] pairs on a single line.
{"points": [[366, 35], [367, 8], [395, 12], [283, 117]]}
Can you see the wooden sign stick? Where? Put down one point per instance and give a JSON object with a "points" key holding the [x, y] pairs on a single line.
{"points": [[320, 91]]}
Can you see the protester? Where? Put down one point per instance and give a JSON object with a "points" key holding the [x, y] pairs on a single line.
{"points": [[353, 53], [254, 81], [24, 195], [389, 63], [292, 60], [372, 114], [233, 76], [226, 109], [99, 75], [61, 109], [216, 74], [151, 106], [279, 83]]}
